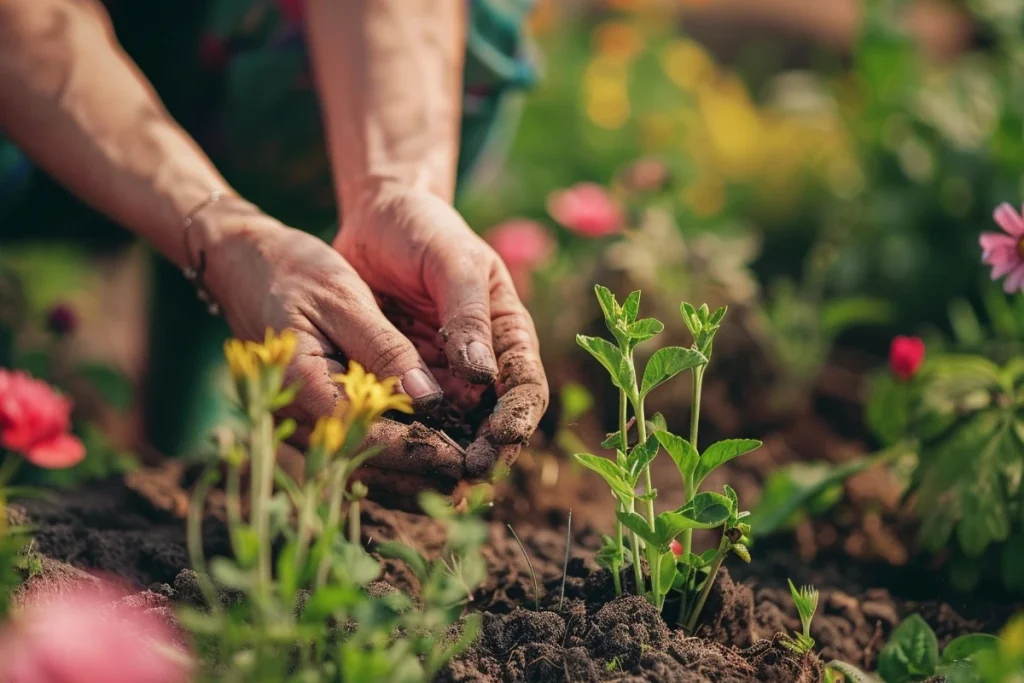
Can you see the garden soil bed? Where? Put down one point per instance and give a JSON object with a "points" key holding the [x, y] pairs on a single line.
{"points": [[135, 532]]}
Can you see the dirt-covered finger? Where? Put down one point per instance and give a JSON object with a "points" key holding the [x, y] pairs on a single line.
{"points": [[414, 448]]}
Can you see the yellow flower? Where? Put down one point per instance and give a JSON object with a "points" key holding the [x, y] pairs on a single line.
{"points": [[329, 434], [276, 349], [246, 359], [368, 397], [241, 361]]}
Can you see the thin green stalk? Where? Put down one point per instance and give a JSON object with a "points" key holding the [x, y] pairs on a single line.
{"points": [[638, 572], [723, 550], [641, 426], [305, 531], [698, 383], [353, 522], [333, 519], [533, 573], [263, 463], [635, 545], [618, 539]]}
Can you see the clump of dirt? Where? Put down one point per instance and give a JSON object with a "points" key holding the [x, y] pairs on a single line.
{"points": [[450, 419]]}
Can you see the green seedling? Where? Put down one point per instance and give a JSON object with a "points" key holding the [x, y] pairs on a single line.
{"points": [[689, 574], [912, 654], [806, 601], [529, 563]]}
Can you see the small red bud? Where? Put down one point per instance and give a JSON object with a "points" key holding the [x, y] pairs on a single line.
{"points": [[905, 356], [676, 547]]}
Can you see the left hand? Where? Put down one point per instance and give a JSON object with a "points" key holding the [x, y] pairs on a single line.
{"points": [[457, 305]]}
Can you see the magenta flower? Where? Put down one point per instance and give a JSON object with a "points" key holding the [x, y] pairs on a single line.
{"points": [[86, 637], [524, 246], [1005, 252], [587, 209]]}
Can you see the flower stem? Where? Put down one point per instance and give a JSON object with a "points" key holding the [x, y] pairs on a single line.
{"points": [[353, 522], [262, 489], [716, 563], [333, 519], [698, 383]]}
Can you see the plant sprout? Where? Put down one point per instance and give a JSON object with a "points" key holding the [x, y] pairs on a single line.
{"points": [[690, 574], [806, 601]]}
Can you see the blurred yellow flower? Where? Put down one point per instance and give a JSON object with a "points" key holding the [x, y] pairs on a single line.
{"points": [[247, 358], [368, 397], [733, 124], [687, 64], [329, 434], [605, 92]]}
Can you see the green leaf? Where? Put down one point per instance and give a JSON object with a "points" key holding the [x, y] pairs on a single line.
{"points": [[844, 313], [246, 544], [113, 386], [638, 525], [683, 454], [689, 314], [355, 564], [631, 307], [435, 505], [668, 362], [668, 525], [851, 673], [658, 423], [606, 353], [608, 471], [912, 652], [640, 457], [328, 601], [966, 647], [609, 307], [667, 571], [612, 440], [722, 452], [708, 508], [644, 329], [285, 430], [400, 551]]}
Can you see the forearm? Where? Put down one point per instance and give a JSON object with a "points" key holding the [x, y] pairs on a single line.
{"points": [[389, 74], [74, 102]]}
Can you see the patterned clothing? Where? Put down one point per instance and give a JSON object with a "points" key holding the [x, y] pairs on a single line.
{"points": [[235, 73]]}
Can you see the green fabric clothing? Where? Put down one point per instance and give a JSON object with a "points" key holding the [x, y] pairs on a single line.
{"points": [[235, 73]]}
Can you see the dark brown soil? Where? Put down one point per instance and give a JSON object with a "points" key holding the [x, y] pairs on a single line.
{"points": [[113, 530]]}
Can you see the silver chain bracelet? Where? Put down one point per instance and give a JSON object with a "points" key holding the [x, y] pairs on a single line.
{"points": [[194, 271]]}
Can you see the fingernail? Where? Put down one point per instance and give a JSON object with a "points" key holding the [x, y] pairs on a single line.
{"points": [[480, 355], [418, 385]]}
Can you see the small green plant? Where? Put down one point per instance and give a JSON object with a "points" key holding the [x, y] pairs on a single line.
{"points": [[690, 574], [806, 601], [529, 563], [962, 418], [304, 600], [912, 654]]}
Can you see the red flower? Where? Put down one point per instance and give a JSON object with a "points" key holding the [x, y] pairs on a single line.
{"points": [[905, 356], [85, 637], [34, 421], [676, 547], [586, 208]]}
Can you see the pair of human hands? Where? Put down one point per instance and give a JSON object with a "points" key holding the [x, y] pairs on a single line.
{"points": [[454, 323]]}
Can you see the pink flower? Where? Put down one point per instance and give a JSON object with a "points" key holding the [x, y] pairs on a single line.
{"points": [[676, 547], [1005, 252], [586, 208], [905, 356], [87, 637], [524, 246], [34, 421]]}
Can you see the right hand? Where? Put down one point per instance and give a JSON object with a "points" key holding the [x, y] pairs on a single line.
{"points": [[265, 274]]}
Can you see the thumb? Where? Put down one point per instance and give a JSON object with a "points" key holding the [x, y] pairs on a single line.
{"points": [[356, 326]]}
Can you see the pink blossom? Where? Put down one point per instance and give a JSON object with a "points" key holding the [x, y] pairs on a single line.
{"points": [[87, 637], [34, 421], [524, 246], [1005, 252], [587, 209]]}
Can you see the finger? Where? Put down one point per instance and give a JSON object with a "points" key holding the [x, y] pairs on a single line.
{"points": [[399, 489], [461, 293], [521, 386], [311, 372], [409, 448], [351, 320]]}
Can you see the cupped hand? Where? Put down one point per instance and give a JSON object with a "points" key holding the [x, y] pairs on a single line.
{"points": [[452, 296], [264, 274]]}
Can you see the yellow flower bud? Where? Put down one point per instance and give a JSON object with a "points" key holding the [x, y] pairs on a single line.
{"points": [[328, 434]]}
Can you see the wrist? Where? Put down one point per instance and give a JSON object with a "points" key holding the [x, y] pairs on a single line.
{"points": [[357, 190]]}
